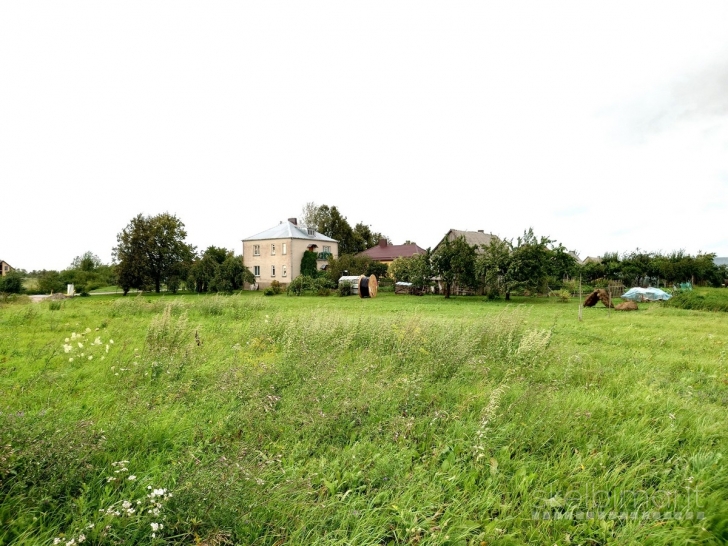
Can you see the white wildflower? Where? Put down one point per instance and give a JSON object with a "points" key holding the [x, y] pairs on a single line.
{"points": [[155, 527], [67, 340], [126, 505], [56, 540], [80, 345], [70, 359], [107, 347], [88, 330], [90, 357], [81, 538], [112, 341], [131, 478], [71, 542], [67, 348], [97, 341]]}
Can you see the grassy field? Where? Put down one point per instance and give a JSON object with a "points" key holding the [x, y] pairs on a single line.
{"points": [[400, 420]]}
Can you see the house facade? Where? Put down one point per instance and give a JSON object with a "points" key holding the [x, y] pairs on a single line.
{"points": [[5, 268], [386, 253], [275, 254]]}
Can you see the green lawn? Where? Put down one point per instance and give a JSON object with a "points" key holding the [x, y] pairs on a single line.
{"points": [[398, 420]]}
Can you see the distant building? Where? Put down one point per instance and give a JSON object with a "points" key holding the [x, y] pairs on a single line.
{"points": [[592, 260], [479, 238], [386, 253], [275, 254], [5, 268]]}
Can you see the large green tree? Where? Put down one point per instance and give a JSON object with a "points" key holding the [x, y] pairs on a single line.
{"points": [[330, 222], [454, 262], [150, 249]]}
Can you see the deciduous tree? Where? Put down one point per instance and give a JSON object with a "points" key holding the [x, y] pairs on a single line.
{"points": [[150, 249]]}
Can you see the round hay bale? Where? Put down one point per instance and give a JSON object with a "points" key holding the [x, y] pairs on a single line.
{"points": [[626, 306]]}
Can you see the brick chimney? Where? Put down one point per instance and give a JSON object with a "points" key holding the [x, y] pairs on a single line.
{"points": [[383, 243], [481, 231], [294, 221]]}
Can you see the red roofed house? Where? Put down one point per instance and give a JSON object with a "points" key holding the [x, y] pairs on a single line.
{"points": [[386, 253]]}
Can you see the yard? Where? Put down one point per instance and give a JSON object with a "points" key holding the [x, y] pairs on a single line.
{"points": [[323, 420]]}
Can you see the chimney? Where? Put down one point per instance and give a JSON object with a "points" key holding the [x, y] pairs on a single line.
{"points": [[294, 221], [382, 243], [481, 231]]}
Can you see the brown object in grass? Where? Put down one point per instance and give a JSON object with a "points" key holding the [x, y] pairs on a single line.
{"points": [[592, 299], [598, 295], [627, 306]]}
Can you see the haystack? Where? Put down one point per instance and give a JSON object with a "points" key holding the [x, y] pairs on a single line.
{"points": [[598, 295], [627, 306]]}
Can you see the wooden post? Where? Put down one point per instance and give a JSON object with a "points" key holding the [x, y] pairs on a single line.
{"points": [[581, 302]]}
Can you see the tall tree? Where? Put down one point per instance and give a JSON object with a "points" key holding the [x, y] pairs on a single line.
{"points": [[330, 222], [150, 249], [88, 261], [454, 262]]}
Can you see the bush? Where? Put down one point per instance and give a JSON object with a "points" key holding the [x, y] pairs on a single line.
{"points": [[344, 288], [300, 284], [269, 292], [715, 299], [12, 283], [276, 287], [563, 295]]}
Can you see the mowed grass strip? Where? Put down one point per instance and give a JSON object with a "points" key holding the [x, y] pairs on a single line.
{"points": [[397, 420]]}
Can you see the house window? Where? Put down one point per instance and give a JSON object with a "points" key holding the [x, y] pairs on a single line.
{"points": [[272, 271], [256, 270], [272, 249], [284, 271], [256, 250], [285, 249], [327, 249], [311, 231]]}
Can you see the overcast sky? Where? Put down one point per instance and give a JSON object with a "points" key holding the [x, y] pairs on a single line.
{"points": [[602, 125]]}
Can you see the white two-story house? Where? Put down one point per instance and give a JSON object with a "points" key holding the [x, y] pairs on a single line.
{"points": [[275, 254]]}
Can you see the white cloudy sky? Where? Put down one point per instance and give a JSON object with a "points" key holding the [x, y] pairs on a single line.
{"points": [[603, 125]]}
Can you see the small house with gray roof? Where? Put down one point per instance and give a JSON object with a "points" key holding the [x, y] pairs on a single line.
{"points": [[275, 254], [5, 268], [478, 238]]}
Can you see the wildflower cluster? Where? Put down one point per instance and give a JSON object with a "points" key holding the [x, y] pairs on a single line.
{"points": [[132, 512], [79, 346]]}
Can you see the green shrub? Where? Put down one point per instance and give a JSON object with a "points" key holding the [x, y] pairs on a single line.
{"points": [[276, 287], [563, 295], [12, 283], [269, 292], [344, 288], [712, 299]]}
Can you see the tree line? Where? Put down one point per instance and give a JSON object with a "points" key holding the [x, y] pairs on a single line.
{"points": [[539, 264]]}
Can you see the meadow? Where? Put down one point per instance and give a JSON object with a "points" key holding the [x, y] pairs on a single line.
{"points": [[398, 420]]}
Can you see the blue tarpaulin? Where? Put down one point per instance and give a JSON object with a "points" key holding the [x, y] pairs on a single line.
{"points": [[645, 294]]}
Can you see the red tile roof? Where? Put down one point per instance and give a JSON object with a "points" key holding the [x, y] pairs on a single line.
{"points": [[389, 252]]}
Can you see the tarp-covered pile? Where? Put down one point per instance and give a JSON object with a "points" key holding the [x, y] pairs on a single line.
{"points": [[645, 294]]}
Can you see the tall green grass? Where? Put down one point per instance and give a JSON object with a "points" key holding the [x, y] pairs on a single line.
{"points": [[703, 299], [345, 421]]}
